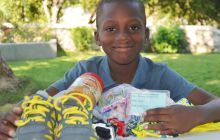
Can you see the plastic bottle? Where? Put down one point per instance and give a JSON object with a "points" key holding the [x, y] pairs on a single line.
{"points": [[88, 83]]}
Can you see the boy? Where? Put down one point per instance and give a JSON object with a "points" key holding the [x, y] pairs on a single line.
{"points": [[121, 31]]}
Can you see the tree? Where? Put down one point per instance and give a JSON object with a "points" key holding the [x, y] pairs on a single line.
{"points": [[89, 5], [179, 11], [50, 11], [44, 11], [2, 11], [193, 11], [7, 77], [26, 11], [5, 70], [21, 11], [53, 9]]}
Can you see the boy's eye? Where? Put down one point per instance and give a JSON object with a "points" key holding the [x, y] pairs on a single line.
{"points": [[110, 29], [134, 28]]}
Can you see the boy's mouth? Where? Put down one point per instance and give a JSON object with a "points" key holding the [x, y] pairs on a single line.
{"points": [[122, 48]]}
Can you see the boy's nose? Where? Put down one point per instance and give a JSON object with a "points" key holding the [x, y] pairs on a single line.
{"points": [[122, 35]]}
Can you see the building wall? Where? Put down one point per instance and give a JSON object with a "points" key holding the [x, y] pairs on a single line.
{"points": [[203, 39], [28, 51]]}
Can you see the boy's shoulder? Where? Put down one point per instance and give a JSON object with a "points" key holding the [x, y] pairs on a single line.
{"points": [[93, 63], [94, 60], [152, 64]]}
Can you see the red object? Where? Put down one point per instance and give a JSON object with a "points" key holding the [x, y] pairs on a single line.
{"points": [[97, 77], [120, 125], [88, 83]]}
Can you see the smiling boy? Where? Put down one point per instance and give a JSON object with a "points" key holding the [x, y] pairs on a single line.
{"points": [[122, 33]]}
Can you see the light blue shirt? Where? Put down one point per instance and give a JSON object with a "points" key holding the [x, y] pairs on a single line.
{"points": [[149, 75]]}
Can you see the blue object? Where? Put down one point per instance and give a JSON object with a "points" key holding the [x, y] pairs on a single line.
{"points": [[149, 75]]}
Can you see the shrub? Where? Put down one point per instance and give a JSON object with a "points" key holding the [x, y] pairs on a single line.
{"points": [[83, 38], [171, 39], [22, 34]]}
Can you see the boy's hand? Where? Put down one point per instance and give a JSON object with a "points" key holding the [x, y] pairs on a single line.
{"points": [[174, 119], [7, 123]]}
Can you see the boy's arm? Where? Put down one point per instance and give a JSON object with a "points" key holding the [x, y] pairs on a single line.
{"points": [[52, 91], [208, 104], [178, 119]]}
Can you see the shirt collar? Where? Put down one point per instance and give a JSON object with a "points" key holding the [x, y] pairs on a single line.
{"points": [[105, 74], [141, 74], [139, 79]]}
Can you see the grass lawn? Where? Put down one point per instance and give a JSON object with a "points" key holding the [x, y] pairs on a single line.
{"points": [[203, 70]]}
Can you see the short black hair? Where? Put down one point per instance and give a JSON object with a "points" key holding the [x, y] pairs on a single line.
{"points": [[102, 2]]}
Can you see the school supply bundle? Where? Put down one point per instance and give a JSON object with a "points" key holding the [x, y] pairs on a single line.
{"points": [[123, 107]]}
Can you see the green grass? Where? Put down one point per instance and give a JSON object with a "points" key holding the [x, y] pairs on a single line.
{"points": [[39, 74], [203, 70]]}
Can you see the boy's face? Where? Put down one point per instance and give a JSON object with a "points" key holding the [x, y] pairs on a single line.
{"points": [[121, 31]]}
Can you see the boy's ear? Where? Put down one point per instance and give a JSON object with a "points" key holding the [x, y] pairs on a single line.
{"points": [[147, 33], [97, 40]]}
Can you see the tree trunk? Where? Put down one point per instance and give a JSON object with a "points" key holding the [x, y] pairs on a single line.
{"points": [[7, 78], [63, 36], [46, 10], [54, 14]]}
